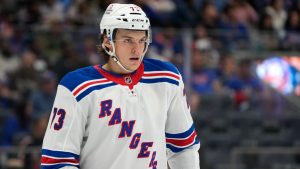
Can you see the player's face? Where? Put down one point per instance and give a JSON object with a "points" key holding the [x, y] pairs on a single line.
{"points": [[129, 47]]}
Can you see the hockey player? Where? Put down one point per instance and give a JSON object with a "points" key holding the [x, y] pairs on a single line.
{"points": [[130, 113]]}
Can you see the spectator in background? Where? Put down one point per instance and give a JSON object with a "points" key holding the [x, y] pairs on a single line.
{"points": [[244, 13], [228, 71], [69, 61], [219, 4], [278, 14], [293, 21], [30, 13], [25, 77], [239, 82], [249, 87], [265, 23], [165, 9], [247, 75], [204, 77], [42, 98], [52, 11], [38, 128], [16, 127], [292, 27], [8, 61], [39, 44], [269, 38], [82, 13], [185, 13], [234, 34], [8, 35], [259, 5], [7, 98], [166, 45], [54, 39], [209, 17], [90, 51], [203, 41]]}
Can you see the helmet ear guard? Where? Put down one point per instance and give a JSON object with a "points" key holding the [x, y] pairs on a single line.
{"points": [[110, 53], [105, 48]]}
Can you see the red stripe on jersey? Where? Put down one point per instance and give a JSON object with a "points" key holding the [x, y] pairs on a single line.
{"points": [[49, 160], [184, 142], [161, 74], [88, 84]]}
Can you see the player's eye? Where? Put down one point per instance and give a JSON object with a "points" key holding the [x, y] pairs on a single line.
{"points": [[143, 41], [131, 41], [127, 41]]}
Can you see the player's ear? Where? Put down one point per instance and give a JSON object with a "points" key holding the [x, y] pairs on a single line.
{"points": [[107, 43]]}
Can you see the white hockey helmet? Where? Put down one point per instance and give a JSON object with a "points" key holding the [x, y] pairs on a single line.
{"points": [[124, 16]]}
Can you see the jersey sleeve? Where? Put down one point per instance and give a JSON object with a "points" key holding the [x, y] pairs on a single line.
{"points": [[181, 138], [63, 137]]}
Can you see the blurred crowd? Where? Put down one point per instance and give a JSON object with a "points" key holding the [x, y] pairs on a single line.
{"points": [[40, 41]]}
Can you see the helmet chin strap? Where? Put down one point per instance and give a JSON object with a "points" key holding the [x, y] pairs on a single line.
{"points": [[113, 55]]}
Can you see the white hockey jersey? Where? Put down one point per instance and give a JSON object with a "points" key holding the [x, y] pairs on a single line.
{"points": [[102, 120]]}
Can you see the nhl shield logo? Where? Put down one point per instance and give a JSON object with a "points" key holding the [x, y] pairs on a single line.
{"points": [[128, 80]]}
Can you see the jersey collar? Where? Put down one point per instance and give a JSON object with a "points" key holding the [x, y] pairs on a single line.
{"points": [[129, 80]]}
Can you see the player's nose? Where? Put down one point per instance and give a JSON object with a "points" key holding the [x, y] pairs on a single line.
{"points": [[136, 50]]}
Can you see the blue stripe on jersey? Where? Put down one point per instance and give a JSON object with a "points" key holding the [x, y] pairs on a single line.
{"points": [[89, 90], [176, 149], [159, 80], [60, 154], [77, 77], [158, 65], [183, 134], [57, 166]]}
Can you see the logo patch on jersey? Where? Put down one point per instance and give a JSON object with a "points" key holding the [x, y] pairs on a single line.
{"points": [[128, 80]]}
